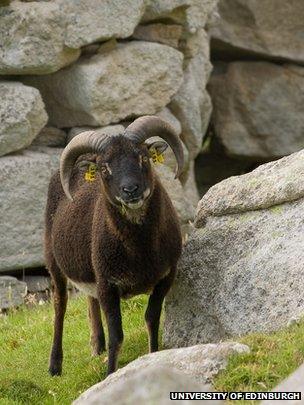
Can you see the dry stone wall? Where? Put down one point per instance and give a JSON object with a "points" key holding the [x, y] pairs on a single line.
{"points": [[256, 86], [272, 29], [66, 66], [112, 85], [259, 109]]}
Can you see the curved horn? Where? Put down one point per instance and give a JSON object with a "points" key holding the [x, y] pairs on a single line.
{"points": [[150, 125], [85, 142]]}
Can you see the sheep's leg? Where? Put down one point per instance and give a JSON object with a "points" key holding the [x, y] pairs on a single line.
{"points": [[60, 302], [97, 334], [152, 315], [110, 304]]}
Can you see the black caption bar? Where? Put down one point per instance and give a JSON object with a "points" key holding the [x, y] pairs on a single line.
{"points": [[257, 396]]}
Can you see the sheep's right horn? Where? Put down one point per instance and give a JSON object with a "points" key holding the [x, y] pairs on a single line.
{"points": [[85, 142], [148, 126]]}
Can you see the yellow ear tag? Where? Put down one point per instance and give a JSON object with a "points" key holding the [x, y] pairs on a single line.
{"points": [[90, 174], [156, 156]]}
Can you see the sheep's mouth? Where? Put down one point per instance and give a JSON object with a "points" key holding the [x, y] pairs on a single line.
{"points": [[135, 203]]}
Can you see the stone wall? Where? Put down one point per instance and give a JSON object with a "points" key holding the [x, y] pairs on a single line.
{"points": [[257, 84], [66, 66]]}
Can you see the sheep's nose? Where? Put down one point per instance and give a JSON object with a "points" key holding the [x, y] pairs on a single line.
{"points": [[130, 190]]}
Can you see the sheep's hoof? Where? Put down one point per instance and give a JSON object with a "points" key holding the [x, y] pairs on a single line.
{"points": [[98, 345], [55, 370], [98, 350]]}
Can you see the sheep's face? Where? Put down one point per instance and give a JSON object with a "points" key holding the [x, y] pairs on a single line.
{"points": [[126, 172]]}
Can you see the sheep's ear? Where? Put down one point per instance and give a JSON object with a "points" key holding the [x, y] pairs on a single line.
{"points": [[89, 167], [158, 146]]}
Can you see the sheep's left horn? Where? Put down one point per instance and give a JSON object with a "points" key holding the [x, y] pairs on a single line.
{"points": [[147, 126], [85, 142]]}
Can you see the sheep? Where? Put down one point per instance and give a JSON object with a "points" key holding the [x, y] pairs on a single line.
{"points": [[115, 237]]}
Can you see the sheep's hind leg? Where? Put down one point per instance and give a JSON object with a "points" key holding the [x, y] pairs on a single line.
{"points": [[110, 304], [60, 302], [153, 312], [97, 334]]}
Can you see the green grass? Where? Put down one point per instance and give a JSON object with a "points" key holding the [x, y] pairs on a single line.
{"points": [[25, 340], [273, 357]]}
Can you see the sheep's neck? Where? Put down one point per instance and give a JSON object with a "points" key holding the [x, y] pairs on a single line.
{"points": [[134, 216]]}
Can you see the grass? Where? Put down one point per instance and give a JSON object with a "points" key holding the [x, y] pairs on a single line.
{"points": [[25, 340], [26, 334], [273, 357]]}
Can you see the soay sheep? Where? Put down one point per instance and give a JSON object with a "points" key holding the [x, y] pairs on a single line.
{"points": [[114, 237]]}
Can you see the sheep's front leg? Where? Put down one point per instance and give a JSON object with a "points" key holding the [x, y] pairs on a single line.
{"points": [[97, 334], [60, 302], [154, 308], [110, 304]]}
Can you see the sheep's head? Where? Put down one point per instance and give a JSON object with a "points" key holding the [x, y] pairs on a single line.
{"points": [[123, 160]]}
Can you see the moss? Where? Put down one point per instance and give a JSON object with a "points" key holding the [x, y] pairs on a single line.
{"points": [[276, 209]]}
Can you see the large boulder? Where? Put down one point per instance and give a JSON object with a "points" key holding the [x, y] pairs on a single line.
{"points": [[272, 28], [269, 185], [242, 269], [24, 179], [99, 20], [149, 385], [192, 104], [198, 364], [22, 116], [113, 85], [32, 39], [258, 109]]}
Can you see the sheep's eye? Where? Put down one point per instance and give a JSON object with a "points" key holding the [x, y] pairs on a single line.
{"points": [[145, 159], [105, 169]]}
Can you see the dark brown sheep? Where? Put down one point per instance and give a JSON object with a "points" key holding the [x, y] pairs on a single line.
{"points": [[118, 236]]}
